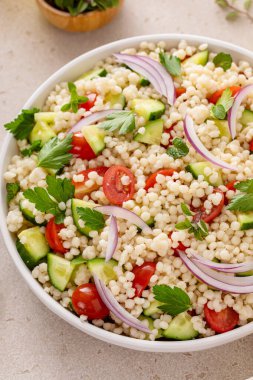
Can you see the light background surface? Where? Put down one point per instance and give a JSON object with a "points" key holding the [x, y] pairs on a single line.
{"points": [[34, 343]]}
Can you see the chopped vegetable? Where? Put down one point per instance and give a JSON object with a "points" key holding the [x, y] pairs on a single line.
{"points": [[118, 184], [142, 276]]}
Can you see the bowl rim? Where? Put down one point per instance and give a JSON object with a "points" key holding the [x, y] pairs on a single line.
{"points": [[46, 299]]}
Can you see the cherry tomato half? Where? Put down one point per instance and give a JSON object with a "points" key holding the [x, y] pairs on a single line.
{"points": [[230, 185], [142, 277], [81, 189], [216, 95], [151, 180], [180, 91], [81, 148], [90, 102], [87, 301], [53, 239], [115, 191], [215, 211], [251, 147], [222, 321]]}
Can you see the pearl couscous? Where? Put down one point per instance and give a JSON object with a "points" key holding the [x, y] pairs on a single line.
{"points": [[142, 170]]}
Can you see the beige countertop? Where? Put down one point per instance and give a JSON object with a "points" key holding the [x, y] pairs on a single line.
{"points": [[35, 343]]}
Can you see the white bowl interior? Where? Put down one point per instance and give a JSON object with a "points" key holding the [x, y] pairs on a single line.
{"points": [[67, 73]]}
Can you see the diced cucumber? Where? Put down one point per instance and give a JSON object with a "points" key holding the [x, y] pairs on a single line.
{"points": [[144, 82], [79, 203], [150, 109], [198, 168], [200, 58], [247, 117], [222, 125], [115, 99], [181, 328], [46, 117], [59, 271], [153, 309], [151, 325], [94, 137], [245, 220], [34, 246], [153, 133], [42, 132], [93, 74], [28, 215], [102, 269]]}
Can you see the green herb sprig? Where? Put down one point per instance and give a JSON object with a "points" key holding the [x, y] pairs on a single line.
{"points": [[93, 219], [76, 7], [223, 60], [12, 190], [34, 147], [171, 63], [179, 148], [197, 227], [75, 99], [55, 153], [244, 201], [22, 126], [224, 103], [124, 121], [234, 11], [174, 300]]}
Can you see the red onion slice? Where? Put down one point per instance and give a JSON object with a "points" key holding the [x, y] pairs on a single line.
{"points": [[224, 287], [112, 238], [200, 148], [227, 268], [240, 96], [123, 213], [117, 309], [91, 119], [169, 84]]}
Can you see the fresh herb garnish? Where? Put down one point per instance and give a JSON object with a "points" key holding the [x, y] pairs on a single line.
{"points": [[122, 120], [242, 202], [75, 7], [34, 147], [223, 60], [55, 153], [179, 148], [171, 63], [12, 190], [46, 200], [224, 103], [174, 299], [22, 126], [75, 99], [93, 219], [198, 227], [234, 11]]}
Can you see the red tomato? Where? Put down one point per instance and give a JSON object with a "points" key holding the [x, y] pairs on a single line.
{"points": [[251, 147], [53, 239], [114, 190], [142, 277], [81, 189], [214, 97], [230, 185], [81, 148], [151, 180], [90, 103], [87, 301], [180, 91], [222, 321]]}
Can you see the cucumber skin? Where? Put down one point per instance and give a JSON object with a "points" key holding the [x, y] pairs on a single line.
{"points": [[246, 221], [50, 257], [25, 256], [177, 332], [200, 58], [189, 169], [83, 230]]}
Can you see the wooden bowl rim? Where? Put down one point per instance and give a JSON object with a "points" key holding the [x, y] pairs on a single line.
{"points": [[50, 8]]}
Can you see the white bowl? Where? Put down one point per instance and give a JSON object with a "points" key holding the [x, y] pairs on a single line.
{"points": [[67, 73]]}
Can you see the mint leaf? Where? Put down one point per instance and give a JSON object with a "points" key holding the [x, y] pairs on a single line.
{"points": [[75, 99], [223, 60], [12, 190], [35, 147], [175, 300], [122, 120], [171, 63], [92, 218], [179, 149], [55, 153], [22, 126], [186, 209]]}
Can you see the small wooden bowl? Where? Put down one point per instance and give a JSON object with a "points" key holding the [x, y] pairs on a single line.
{"points": [[82, 23]]}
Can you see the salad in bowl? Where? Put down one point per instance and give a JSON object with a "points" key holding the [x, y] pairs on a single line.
{"points": [[131, 196]]}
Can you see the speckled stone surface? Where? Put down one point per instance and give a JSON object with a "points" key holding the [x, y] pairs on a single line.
{"points": [[35, 343]]}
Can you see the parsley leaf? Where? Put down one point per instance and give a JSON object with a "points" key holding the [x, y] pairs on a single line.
{"points": [[223, 104], [175, 300], [23, 124], [223, 60], [171, 63], [245, 186], [46, 200], [242, 202], [92, 218], [35, 147], [122, 120], [180, 149], [54, 154], [75, 99], [12, 190]]}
